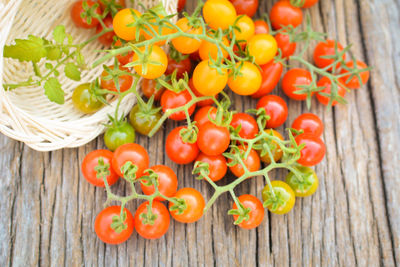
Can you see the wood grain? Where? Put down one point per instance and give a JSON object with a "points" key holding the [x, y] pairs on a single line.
{"points": [[48, 210]]}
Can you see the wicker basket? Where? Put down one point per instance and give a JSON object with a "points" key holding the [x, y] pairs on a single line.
{"points": [[25, 113]]}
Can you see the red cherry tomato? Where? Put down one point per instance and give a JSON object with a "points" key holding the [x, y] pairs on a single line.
{"points": [[217, 166], [149, 88], [309, 123], [181, 67], [314, 150], [167, 182], [102, 225], [260, 27], [292, 79], [170, 100], [194, 205], [249, 128], [125, 58], [245, 7], [201, 116], [178, 151], [252, 162], [276, 108], [89, 163], [107, 38], [354, 83], [309, 3], [160, 225], [326, 82], [271, 74], [284, 14], [130, 152], [326, 48], [181, 5], [213, 139], [197, 93], [77, 10], [287, 48], [124, 81], [256, 214]]}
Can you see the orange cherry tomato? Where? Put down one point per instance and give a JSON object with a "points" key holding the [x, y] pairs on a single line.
{"points": [[216, 81], [153, 71], [246, 28], [202, 103], [248, 81], [219, 14], [208, 49], [187, 45], [121, 21], [263, 47], [194, 205]]}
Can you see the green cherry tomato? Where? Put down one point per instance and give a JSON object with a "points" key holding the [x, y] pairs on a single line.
{"points": [[144, 121], [119, 134], [304, 186], [283, 199], [84, 100]]}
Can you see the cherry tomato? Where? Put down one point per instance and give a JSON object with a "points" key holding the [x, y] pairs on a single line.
{"points": [[179, 151], [143, 121], [153, 71], [249, 128], [124, 81], [170, 100], [284, 14], [121, 23], [124, 58], [246, 28], [149, 88], [263, 48], [282, 192], [202, 103], [314, 150], [117, 135], [207, 80], [186, 45], [219, 14], [271, 74], [292, 79], [252, 162], [84, 100], [260, 27], [256, 214], [245, 7], [103, 229], [276, 150], [181, 5], [326, 82], [309, 3], [183, 66], [217, 166], [326, 48], [354, 83], [201, 116], [107, 38], [134, 153], [167, 182], [307, 185], [309, 123], [208, 49], [77, 10], [248, 81], [89, 164], [213, 139], [160, 225], [194, 205], [287, 48], [119, 3], [276, 108]]}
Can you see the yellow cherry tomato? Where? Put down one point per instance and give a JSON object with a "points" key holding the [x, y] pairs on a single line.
{"points": [[186, 45], [284, 198], [208, 49], [262, 47], [121, 21], [247, 28], [306, 185], [207, 80], [153, 70], [219, 14], [275, 148], [248, 81]]}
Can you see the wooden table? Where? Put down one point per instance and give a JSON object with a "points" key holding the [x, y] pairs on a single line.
{"points": [[47, 209]]}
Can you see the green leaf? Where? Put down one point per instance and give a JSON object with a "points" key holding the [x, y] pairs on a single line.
{"points": [[52, 89], [72, 72], [53, 53], [31, 49], [59, 34]]}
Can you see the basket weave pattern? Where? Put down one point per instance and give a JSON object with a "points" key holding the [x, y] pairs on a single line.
{"points": [[25, 113]]}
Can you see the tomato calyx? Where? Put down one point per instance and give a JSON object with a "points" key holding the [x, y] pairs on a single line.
{"points": [[175, 54], [354, 72], [302, 180], [189, 134], [110, 6], [172, 83], [179, 205], [242, 212], [89, 12], [148, 217], [129, 171], [150, 179], [118, 223], [102, 169], [202, 170], [274, 199], [114, 73]]}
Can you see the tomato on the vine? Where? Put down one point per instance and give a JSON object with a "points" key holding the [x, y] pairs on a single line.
{"points": [[248, 81], [213, 139], [327, 84], [187, 45], [252, 162], [149, 88], [182, 66], [327, 48], [219, 14], [153, 70], [157, 228], [167, 182], [263, 47], [134, 153], [107, 38], [304, 186], [249, 127], [89, 164], [207, 80], [84, 99], [170, 100], [77, 10], [217, 166], [124, 81], [276, 150], [256, 214], [284, 14], [314, 150], [119, 134], [194, 205], [143, 121], [309, 123], [208, 49], [201, 116], [179, 151], [354, 82], [202, 103], [284, 198], [261, 27], [276, 108], [121, 23], [245, 7], [246, 28], [106, 218], [271, 74], [292, 79], [287, 48]]}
